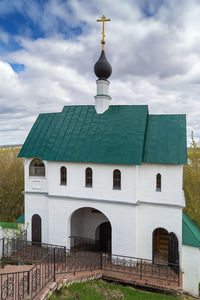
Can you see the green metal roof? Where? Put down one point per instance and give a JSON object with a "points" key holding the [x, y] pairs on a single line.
{"points": [[165, 140], [79, 134], [9, 225], [20, 219], [190, 232]]}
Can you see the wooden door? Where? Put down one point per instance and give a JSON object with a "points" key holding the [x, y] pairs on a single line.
{"points": [[36, 229], [173, 253], [160, 245]]}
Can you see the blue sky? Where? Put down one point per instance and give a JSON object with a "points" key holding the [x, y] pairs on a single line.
{"points": [[48, 49]]}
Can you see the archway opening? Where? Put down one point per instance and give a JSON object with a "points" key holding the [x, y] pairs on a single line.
{"points": [[165, 247], [90, 230], [36, 229]]}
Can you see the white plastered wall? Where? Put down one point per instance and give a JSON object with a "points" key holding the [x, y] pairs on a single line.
{"points": [[138, 183], [60, 212], [102, 181], [150, 217], [190, 268], [35, 183], [171, 184], [37, 204]]}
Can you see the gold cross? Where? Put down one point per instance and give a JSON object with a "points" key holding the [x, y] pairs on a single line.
{"points": [[103, 19]]}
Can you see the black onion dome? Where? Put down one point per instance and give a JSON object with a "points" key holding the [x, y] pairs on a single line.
{"points": [[102, 68]]}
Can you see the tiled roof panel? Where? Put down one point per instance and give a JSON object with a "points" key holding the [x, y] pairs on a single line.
{"points": [[79, 134]]}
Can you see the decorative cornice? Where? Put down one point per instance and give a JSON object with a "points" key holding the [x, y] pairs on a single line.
{"points": [[138, 203], [35, 193]]}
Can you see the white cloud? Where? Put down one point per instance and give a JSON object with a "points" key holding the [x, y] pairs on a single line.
{"points": [[155, 60]]}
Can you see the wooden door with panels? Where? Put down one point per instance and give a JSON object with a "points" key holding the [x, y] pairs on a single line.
{"points": [[36, 229], [160, 245]]}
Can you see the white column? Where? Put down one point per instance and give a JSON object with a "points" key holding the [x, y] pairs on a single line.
{"points": [[102, 99]]}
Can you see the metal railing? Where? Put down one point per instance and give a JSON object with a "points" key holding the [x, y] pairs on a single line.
{"points": [[82, 243], [141, 268], [79, 261], [14, 285], [20, 285], [41, 274], [10, 246], [54, 259], [28, 252]]}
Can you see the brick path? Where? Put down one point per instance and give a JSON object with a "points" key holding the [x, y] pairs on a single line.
{"points": [[13, 268], [68, 279], [111, 275]]}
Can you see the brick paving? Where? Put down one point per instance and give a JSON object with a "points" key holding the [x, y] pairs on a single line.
{"points": [[14, 268], [161, 284], [68, 279]]}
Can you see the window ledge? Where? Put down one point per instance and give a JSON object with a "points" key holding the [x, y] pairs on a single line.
{"points": [[158, 190], [37, 177], [117, 189], [88, 186], [62, 184]]}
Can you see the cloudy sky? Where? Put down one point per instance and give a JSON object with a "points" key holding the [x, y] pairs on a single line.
{"points": [[48, 49]]}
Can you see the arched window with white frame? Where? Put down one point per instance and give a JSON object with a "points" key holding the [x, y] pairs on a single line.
{"points": [[37, 168]]}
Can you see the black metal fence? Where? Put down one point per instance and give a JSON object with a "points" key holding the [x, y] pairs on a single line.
{"points": [[41, 274], [54, 259], [141, 268], [82, 243], [80, 261], [9, 246], [20, 285], [26, 252], [14, 285]]}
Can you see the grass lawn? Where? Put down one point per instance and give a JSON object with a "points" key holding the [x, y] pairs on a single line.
{"points": [[101, 290]]}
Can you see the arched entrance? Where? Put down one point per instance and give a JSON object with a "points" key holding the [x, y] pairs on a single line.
{"points": [[165, 247], [90, 230], [36, 229], [104, 236]]}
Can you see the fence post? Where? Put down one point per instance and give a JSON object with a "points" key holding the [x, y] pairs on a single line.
{"points": [[54, 264], [101, 261], [3, 248], [65, 255], [141, 269], [74, 262], [179, 276], [28, 283]]}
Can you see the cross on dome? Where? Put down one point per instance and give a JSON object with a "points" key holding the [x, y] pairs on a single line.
{"points": [[102, 68], [103, 19]]}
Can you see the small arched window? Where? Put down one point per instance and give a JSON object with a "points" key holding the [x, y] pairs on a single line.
{"points": [[37, 168], [116, 179], [63, 176], [158, 182], [88, 177]]}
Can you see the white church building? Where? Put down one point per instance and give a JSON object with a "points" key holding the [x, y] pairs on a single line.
{"points": [[107, 177]]}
